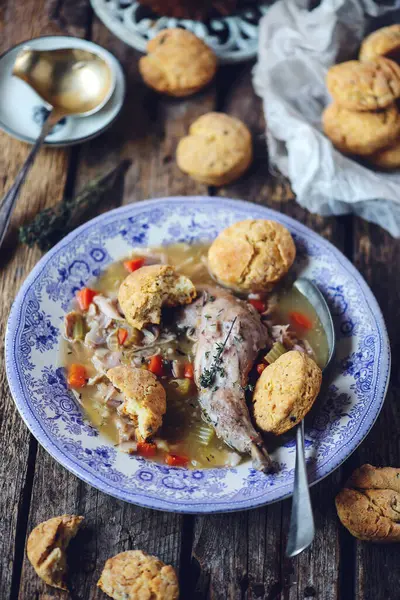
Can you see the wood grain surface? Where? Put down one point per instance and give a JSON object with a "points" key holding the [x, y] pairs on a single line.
{"points": [[225, 557]]}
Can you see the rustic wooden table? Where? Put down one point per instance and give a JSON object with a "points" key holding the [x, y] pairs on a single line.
{"points": [[234, 556]]}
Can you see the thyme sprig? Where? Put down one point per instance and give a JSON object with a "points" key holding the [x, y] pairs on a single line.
{"points": [[208, 376], [52, 224]]}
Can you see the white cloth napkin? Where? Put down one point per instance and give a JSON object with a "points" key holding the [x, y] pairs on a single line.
{"points": [[296, 48]]}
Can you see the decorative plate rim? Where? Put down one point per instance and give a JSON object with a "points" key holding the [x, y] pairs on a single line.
{"points": [[135, 40], [201, 506], [86, 138]]}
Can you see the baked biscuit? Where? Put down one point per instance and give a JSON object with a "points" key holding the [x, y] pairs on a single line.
{"points": [[361, 132], [145, 398], [178, 63], [145, 291], [285, 392], [46, 548], [364, 85], [217, 151], [383, 42], [388, 158], [251, 255], [134, 575], [369, 504]]}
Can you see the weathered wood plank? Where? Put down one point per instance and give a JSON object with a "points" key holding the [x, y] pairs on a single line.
{"points": [[246, 557], [220, 541], [44, 186], [111, 526], [241, 555], [71, 18], [146, 132], [377, 255], [265, 577]]}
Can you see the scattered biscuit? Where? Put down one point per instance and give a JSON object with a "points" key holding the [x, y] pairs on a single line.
{"points": [[46, 548], [361, 133], [364, 85], [251, 255], [388, 158], [145, 398], [178, 63], [286, 391], [217, 151], [144, 292], [134, 575], [383, 42], [369, 504]]}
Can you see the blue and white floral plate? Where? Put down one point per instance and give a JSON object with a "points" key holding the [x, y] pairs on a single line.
{"points": [[342, 417]]}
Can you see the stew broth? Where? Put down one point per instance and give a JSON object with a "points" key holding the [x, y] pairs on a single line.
{"points": [[184, 432]]}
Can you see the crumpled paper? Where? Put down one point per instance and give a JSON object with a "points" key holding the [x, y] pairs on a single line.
{"points": [[296, 48]]}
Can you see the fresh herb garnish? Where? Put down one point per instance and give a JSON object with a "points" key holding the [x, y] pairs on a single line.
{"points": [[207, 316], [207, 378], [211, 299], [52, 224]]}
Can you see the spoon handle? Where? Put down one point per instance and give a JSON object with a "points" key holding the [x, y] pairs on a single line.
{"points": [[9, 200], [301, 530]]}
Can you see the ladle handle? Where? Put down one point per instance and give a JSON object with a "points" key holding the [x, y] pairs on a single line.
{"points": [[9, 200], [301, 529]]}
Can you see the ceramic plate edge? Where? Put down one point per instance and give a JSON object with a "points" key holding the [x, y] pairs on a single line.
{"points": [[167, 505]]}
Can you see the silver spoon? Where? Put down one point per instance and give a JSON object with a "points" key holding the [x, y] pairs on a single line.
{"points": [[71, 82], [302, 528]]}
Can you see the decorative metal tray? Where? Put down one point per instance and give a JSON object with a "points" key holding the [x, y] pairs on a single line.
{"points": [[234, 39]]}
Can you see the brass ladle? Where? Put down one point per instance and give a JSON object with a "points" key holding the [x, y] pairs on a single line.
{"points": [[72, 82]]}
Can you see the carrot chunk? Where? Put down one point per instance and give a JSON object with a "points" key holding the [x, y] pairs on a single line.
{"points": [[156, 365], [189, 371], [85, 297], [259, 305], [261, 367], [122, 334], [77, 376], [301, 320], [134, 264], [176, 460], [146, 449]]}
